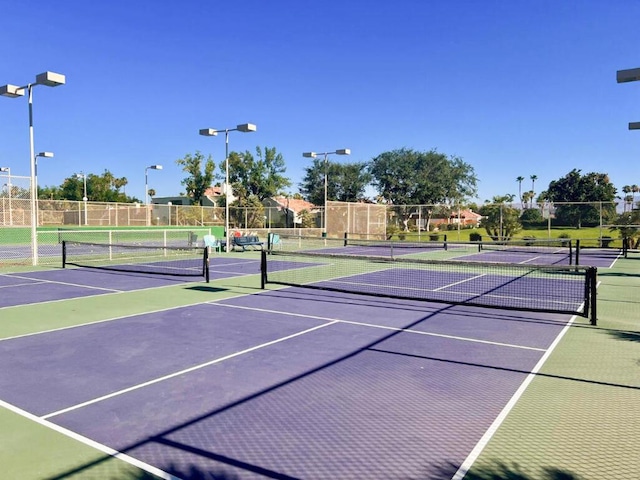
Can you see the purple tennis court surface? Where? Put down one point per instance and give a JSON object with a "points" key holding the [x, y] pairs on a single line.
{"points": [[68, 283], [284, 384]]}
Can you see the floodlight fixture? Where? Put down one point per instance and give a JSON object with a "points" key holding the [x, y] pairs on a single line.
{"points": [[630, 75], [246, 128], [50, 79], [11, 91], [208, 132]]}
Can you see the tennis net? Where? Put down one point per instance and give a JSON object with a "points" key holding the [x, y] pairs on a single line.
{"points": [[546, 288], [560, 246], [400, 247], [148, 259]]}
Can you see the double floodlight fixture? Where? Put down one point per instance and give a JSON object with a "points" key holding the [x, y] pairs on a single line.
{"points": [[245, 128], [48, 79], [155, 167], [629, 75], [341, 151], [5, 169], [45, 154]]}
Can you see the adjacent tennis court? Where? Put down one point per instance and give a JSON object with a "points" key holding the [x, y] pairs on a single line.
{"points": [[335, 369]]}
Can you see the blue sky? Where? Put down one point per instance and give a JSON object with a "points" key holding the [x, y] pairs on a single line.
{"points": [[514, 88]]}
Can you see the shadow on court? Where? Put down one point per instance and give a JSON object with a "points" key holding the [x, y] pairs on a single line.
{"points": [[207, 289], [187, 461], [497, 471]]}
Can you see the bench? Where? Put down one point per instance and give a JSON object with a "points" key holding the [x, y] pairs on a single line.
{"points": [[244, 242]]}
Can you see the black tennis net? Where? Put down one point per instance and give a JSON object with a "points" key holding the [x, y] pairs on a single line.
{"points": [[546, 288], [560, 246], [400, 247], [149, 259]]}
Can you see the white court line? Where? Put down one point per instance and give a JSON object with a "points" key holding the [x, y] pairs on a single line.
{"points": [[111, 319], [91, 443], [57, 282], [23, 284], [382, 327], [181, 372], [482, 443]]}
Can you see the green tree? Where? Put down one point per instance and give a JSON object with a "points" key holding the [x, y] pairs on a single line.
{"points": [[500, 219], [346, 182], [572, 192], [100, 188], [261, 176], [247, 211], [200, 175], [627, 224], [409, 177]]}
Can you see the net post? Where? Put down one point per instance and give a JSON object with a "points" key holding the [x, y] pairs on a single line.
{"points": [[205, 265], [263, 269], [269, 241], [577, 251], [445, 242], [346, 241], [593, 282], [570, 250], [64, 253]]}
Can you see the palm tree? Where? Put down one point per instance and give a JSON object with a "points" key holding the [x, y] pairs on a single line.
{"points": [[634, 189], [533, 185], [627, 198], [520, 180]]}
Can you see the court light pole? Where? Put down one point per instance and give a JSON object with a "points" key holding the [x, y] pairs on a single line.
{"points": [[341, 151], [146, 190], [7, 170], [212, 132], [48, 79], [83, 176], [625, 76]]}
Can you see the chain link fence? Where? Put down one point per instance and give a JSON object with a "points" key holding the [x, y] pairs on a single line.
{"points": [[359, 220]]}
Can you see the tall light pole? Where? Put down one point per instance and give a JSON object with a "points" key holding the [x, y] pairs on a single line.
{"points": [[146, 189], [211, 132], [83, 176], [9, 186], [48, 79], [342, 151], [625, 76]]}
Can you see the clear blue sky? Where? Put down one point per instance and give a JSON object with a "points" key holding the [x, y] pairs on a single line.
{"points": [[515, 88]]}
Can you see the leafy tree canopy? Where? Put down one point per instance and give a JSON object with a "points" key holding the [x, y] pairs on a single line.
{"points": [[261, 176], [346, 182], [410, 177], [500, 219], [200, 175], [575, 187], [100, 188]]}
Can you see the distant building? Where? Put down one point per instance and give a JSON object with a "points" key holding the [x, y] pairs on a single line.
{"points": [[285, 211], [211, 198]]}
